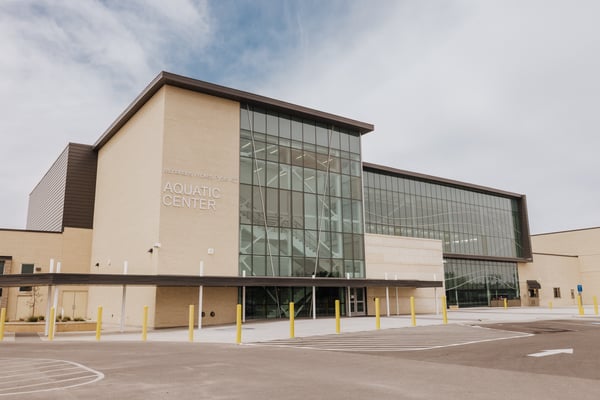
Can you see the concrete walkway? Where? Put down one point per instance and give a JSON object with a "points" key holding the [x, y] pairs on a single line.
{"points": [[261, 331]]}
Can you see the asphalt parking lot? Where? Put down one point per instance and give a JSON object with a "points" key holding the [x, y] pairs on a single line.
{"points": [[489, 361]]}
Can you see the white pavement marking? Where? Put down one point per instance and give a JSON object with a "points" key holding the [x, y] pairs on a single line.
{"points": [[400, 340], [41, 377], [545, 353]]}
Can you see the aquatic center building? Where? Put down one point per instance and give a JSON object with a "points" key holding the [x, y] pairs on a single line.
{"points": [[206, 195]]}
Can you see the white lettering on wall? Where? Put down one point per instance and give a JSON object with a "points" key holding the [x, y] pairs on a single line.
{"points": [[203, 175], [186, 195]]}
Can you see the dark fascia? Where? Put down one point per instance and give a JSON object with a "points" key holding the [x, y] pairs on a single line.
{"points": [[45, 279], [167, 78], [442, 181], [526, 258]]}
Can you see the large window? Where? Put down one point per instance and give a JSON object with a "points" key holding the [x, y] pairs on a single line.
{"points": [[300, 209], [472, 283], [300, 197], [467, 222]]}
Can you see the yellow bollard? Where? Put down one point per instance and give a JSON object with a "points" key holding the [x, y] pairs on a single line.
{"points": [[292, 316], [51, 324], [413, 317], [98, 323], [377, 315], [444, 311], [238, 324], [595, 305], [2, 322], [191, 323], [550, 305], [145, 324], [505, 303], [580, 305], [337, 316]]}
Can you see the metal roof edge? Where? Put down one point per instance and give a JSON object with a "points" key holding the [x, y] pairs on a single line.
{"points": [[167, 78]]}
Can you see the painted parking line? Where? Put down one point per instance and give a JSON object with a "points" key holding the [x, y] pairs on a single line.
{"points": [[394, 340], [34, 375]]}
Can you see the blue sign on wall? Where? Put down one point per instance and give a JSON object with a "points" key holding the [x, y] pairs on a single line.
{"points": [[579, 288]]}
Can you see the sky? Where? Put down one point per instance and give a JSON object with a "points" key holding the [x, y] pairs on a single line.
{"points": [[503, 94]]}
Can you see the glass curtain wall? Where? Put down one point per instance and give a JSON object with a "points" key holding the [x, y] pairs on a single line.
{"points": [[466, 222], [471, 283], [300, 207]]}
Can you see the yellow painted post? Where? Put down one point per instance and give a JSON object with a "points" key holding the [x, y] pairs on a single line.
{"points": [[413, 318], [238, 324], [2, 322], [337, 316], [444, 311], [98, 323], [145, 324], [595, 305], [292, 316], [51, 324], [580, 305], [550, 305], [505, 303], [191, 323], [377, 315]]}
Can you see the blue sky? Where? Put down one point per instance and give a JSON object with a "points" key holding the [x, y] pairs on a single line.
{"points": [[498, 93]]}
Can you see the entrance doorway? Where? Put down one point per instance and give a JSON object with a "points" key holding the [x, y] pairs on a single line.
{"points": [[74, 304], [357, 301]]}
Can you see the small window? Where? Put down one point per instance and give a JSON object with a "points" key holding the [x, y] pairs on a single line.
{"points": [[556, 292], [26, 269]]}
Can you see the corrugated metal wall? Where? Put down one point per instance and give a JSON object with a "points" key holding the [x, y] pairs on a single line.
{"points": [[64, 197], [81, 187], [47, 200]]}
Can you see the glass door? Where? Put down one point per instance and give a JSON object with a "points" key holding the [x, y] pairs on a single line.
{"points": [[357, 302]]}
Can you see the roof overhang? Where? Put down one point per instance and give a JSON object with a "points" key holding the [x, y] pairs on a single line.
{"points": [[167, 78], [532, 284], [47, 279]]}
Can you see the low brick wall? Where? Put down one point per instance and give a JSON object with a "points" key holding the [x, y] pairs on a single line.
{"points": [[510, 303], [39, 327]]}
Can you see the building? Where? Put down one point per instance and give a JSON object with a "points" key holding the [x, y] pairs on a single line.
{"points": [[565, 264], [201, 193], [484, 232]]}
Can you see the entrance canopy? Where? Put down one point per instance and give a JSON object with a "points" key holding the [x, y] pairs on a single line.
{"points": [[60, 279]]}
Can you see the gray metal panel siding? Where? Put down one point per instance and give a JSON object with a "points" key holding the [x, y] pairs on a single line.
{"points": [[46, 201], [80, 187]]}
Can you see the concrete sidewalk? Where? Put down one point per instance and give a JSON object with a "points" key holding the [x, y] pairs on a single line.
{"points": [[259, 331]]}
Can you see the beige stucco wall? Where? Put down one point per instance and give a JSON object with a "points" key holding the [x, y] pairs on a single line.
{"points": [[551, 272], [127, 210], [201, 155], [172, 306], [72, 249], [167, 182], [404, 258], [564, 259]]}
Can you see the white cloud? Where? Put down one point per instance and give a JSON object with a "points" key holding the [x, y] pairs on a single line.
{"points": [[70, 68], [501, 94]]}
